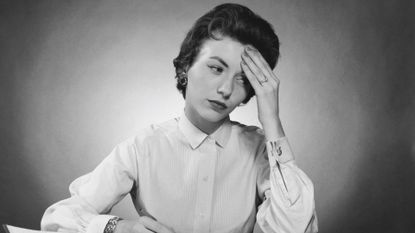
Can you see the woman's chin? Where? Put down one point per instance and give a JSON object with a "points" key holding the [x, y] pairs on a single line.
{"points": [[206, 114], [214, 116]]}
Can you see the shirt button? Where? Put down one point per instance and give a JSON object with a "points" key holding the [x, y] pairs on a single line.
{"points": [[205, 178]]}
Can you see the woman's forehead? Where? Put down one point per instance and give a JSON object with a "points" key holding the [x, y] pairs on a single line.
{"points": [[226, 48]]}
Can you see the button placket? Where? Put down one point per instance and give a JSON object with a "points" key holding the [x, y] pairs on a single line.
{"points": [[207, 167]]}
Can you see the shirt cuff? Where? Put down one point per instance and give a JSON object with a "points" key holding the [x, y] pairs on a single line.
{"points": [[98, 223], [279, 150]]}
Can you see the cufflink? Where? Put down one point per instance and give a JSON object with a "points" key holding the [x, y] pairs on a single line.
{"points": [[279, 151]]}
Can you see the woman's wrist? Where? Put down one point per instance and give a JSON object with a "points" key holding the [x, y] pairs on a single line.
{"points": [[273, 129]]}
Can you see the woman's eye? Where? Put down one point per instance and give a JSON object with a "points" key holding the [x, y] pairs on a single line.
{"points": [[243, 79], [216, 69]]}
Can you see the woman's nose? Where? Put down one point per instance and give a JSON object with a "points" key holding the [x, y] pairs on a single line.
{"points": [[225, 88]]}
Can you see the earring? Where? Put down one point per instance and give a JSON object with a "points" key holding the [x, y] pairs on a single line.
{"points": [[182, 77]]}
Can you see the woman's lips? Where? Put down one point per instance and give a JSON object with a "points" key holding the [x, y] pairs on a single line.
{"points": [[217, 105]]}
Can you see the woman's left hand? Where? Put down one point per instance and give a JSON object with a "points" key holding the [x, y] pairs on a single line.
{"points": [[266, 87]]}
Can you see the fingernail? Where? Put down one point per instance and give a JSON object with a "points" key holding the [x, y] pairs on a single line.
{"points": [[249, 48]]}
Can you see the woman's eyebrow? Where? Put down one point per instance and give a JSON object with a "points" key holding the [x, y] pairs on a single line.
{"points": [[220, 60]]}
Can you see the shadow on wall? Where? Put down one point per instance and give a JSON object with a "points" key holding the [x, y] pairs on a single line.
{"points": [[21, 193], [381, 197]]}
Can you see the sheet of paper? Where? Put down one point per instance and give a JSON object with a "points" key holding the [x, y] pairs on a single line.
{"points": [[13, 229]]}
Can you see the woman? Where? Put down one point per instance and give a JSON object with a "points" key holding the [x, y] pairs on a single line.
{"points": [[202, 172]]}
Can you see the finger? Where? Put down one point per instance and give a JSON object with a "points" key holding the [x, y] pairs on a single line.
{"points": [[268, 83], [153, 225], [251, 77], [260, 61], [254, 68], [256, 56]]}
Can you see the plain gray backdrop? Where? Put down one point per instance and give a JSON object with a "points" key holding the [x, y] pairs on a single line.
{"points": [[78, 77]]}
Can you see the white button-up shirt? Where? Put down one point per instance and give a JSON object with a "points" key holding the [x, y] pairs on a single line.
{"points": [[194, 182]]}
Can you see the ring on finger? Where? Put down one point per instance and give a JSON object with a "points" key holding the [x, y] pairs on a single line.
{"points": [[263, 81]]}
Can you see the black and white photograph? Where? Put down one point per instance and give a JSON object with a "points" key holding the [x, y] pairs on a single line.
{"points": [[184, 116]]}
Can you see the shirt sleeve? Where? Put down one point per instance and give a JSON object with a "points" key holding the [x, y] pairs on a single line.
{"points": [[93, 195], [287, 193]]}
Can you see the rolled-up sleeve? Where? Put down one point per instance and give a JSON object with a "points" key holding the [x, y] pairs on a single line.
{"points": [[94, 194], [287, 192]]}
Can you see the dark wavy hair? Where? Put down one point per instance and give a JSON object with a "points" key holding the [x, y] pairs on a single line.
{"points": [[232, 20]]}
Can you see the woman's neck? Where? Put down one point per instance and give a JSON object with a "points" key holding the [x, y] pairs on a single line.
{"points": [[205, 126]]}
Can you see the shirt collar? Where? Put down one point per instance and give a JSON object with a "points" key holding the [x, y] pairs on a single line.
{"points": [[195, 136]]}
